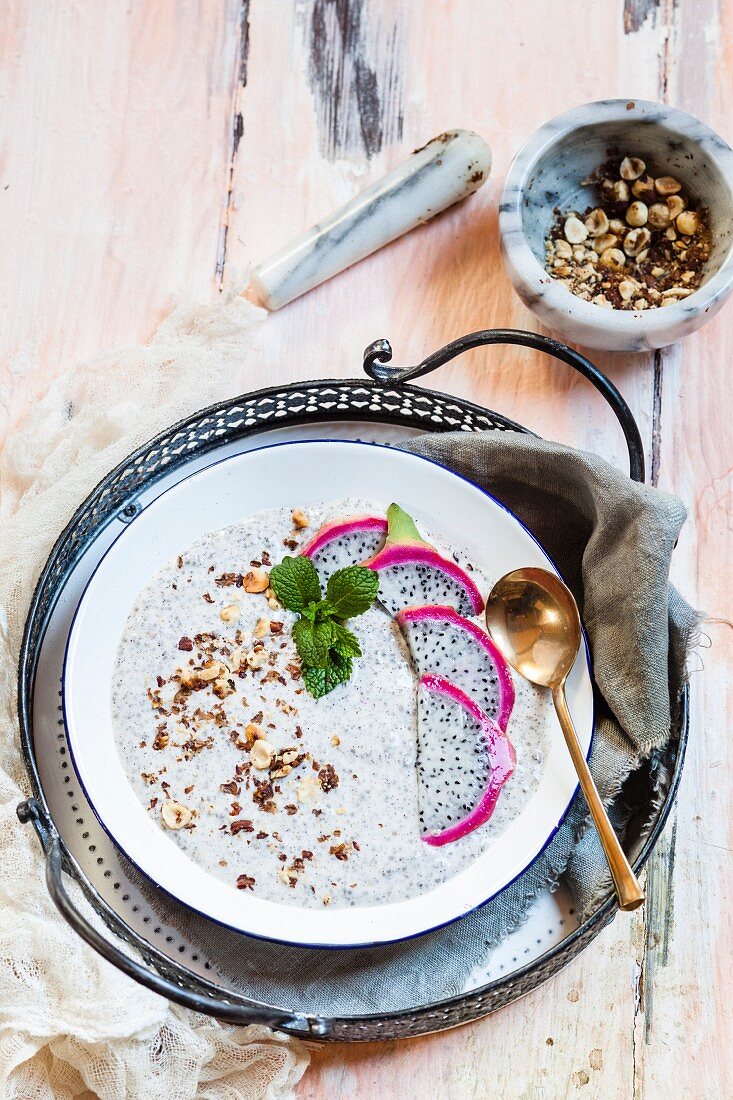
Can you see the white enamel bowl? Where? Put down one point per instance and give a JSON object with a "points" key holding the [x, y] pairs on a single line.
{"points": [[227, 492]]}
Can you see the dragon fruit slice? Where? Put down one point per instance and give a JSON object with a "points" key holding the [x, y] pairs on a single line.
{"points": [[463, 761], [345, 541], [412, 572], [445, 644]]}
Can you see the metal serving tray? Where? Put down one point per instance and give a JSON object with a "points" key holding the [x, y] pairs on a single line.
{"points": [[154, 939]]}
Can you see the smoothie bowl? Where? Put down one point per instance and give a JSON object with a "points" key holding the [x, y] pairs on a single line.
{"points": [[284, 707]]}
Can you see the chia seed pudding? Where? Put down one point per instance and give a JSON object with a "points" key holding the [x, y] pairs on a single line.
{"points": [[207, 668]]}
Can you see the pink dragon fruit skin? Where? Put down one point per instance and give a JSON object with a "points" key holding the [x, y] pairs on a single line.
{"points": [[345, 541], [484, 739], [444, 643]]}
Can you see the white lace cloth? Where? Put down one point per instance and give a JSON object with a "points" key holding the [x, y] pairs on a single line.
{"points": [[71, 1025]]}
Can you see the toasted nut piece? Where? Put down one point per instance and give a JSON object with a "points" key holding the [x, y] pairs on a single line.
{"points": [[288, 877], [627, 289], [309, 789], [289, 756], [667, 185], [637, 214], [230, 613], [223, 688], [609, 240], [257, 580], [575, 232], [261, 755], [175, 815], [262, 629], [602, 300], [236, 659], [642, 256], [617, 226], [281, 772], [636, 240], [676, 292], [326, 899], [253, 732], [675, 204], [272, 600], [657, 272], [643, 188], [256, 658], [671, 233], [613, 258], [620, 191], [562, 249], [300, 519], [631, 168], [335, 740], [641, 303], [688, 276], [659, 215], [688, 223], [211, 670], [597, 222], [562, 267]]}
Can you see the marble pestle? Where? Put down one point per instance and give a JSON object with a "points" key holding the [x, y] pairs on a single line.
{"points": [[440, 174]]}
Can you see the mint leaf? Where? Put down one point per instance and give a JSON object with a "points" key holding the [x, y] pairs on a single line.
{"points": [[296, 583], [352, 591], [343, 642], [313, 642], [321, 681], [325, 610]]}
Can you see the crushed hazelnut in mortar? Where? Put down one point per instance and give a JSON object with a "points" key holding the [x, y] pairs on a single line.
{"points": [[645, 245]]}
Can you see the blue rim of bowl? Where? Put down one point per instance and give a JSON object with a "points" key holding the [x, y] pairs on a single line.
{"points": [[525, 266], [217, 920]]}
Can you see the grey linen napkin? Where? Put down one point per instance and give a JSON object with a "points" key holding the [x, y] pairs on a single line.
{"points": [[612, 540]]}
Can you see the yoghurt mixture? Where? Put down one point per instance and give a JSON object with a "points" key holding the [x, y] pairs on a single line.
{"points": [[205, 667]]}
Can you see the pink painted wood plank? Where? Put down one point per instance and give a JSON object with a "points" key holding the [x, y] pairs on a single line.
{"points": [[114, 173]]}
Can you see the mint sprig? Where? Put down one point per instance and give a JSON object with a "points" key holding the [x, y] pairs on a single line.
{"points": [[326, 647]]}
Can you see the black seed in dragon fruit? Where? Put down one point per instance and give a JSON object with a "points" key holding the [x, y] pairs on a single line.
{"points": [[463, 761]]}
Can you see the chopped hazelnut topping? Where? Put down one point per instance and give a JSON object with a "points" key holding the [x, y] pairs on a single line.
{"points": [[230, 613], [256, 580], [261, 754], [175, 815], [262, 629], [300, 519]]}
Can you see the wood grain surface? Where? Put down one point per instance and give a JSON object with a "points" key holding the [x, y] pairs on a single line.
{"points": [[155, 149]]}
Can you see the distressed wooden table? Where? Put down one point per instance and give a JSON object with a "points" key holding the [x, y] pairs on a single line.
{"points": [[151, 149]]}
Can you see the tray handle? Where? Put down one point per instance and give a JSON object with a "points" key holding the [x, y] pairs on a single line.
{"points": [[379, 354], [234, 1011]]}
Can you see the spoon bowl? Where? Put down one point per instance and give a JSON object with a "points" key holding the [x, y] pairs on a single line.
{"points": [[534, 620]]}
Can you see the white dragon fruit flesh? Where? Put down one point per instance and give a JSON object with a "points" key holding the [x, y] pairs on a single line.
{"points": [[463, 761], [345, 541], [445, 644]]}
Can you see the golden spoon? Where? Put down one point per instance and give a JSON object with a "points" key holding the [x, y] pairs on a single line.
{"points": [[533, 618]]}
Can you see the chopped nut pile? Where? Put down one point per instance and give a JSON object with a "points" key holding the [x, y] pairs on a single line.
{"points": [[226, 687], [645, 245]]}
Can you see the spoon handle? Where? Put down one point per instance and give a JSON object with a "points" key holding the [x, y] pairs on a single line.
{"points": [[630, 893]]}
